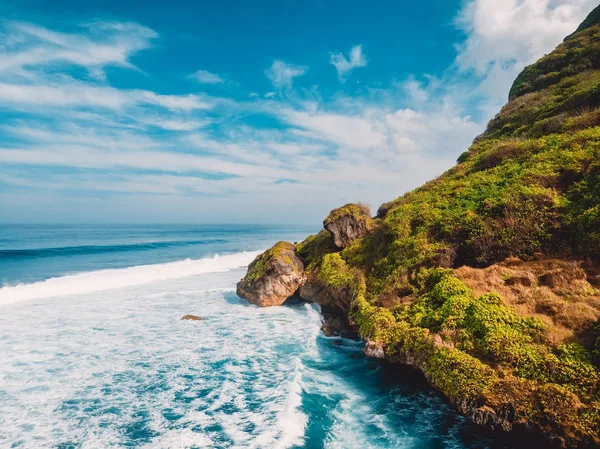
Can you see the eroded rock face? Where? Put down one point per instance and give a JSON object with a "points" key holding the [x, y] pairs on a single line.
{"points": [[273, 277], [348, 223], [313, 290], [375, 350], [336, 323]]}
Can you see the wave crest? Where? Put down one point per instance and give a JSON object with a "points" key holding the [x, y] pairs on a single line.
{"points": [[30, 253], [95, 281]]}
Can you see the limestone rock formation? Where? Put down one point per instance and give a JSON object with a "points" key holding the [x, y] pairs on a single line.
{"points": [[273, 277], [348, 223]]}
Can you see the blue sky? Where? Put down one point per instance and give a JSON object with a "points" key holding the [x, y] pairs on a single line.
{"points": [[237, 111]]}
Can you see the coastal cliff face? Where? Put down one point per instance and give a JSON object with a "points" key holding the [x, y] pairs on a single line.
{"points": [[487, 278]]}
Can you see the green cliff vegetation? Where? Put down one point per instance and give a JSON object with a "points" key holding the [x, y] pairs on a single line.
{"points": [[528, 189], [359, 212], [278, 252]]}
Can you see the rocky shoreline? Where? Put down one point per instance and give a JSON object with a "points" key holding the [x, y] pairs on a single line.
{"points": [[279, 274], [486, 279]]}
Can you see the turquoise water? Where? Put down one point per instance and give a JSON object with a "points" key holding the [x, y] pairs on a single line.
{"points": [[93, 353]]}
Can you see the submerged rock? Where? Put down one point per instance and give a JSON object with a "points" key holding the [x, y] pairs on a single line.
{"points": [[273, 277], [348, 223], [191, 318]]}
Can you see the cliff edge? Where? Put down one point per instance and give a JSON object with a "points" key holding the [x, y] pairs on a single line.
{"points": [[487, 278]]}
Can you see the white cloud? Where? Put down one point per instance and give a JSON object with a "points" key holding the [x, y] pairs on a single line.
{"points": [[64, 96], [370, 147], [345, 130], [504, 36], [101, 44], [174, 102], [87, 157], [205, 77], [345, 65], [282, 74], [179, 125], [70, 95]]}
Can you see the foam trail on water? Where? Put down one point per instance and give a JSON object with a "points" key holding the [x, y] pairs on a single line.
{"points": [[96, 281], [292, 422]]}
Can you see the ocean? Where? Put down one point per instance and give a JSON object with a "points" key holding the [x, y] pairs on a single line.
{"points": [[93, 352]]}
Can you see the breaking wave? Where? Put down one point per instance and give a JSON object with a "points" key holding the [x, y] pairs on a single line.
{"points": [[100, 280]]}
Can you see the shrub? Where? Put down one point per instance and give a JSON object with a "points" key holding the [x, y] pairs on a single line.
{"points": [[459, 375], [314, 247]]}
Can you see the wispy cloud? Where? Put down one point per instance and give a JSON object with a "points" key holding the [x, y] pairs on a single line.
{"points": [[503, 37], [95, 46], [75, 94], [182, 153], [205, 77], [345, 65], [282, 74]]}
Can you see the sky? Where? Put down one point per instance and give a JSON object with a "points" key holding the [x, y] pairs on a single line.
{"points": [[223, 111]]}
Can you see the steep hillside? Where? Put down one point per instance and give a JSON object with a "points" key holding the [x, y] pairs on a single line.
{"points": [[486, 278]]}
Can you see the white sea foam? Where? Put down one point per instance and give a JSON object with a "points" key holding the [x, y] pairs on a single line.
{"points": [[292, 422], [109, 368], [118, 368], [101, 280]]}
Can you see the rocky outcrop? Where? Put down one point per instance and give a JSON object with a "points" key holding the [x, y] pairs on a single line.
{"points": [[336, 323], [313, 290], [348, 223], [273, 277], [384, 209], [499, 419], [279, 273], [375, 350], [434, 281]]}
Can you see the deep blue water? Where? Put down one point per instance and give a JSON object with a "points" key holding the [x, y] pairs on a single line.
{"points": [[97, 356], [30, 253]]}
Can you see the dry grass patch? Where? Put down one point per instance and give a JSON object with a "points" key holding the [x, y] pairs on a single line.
{"points": [[555, 291]]}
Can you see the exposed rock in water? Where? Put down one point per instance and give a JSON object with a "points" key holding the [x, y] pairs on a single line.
{"points": [[273, 277], [191, 318], [348, 223]]}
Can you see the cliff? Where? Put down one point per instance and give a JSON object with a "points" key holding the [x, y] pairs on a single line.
{"points": [[486, 279]]}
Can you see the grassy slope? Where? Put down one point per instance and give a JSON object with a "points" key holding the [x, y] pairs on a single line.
{"points": [[529, 187]]}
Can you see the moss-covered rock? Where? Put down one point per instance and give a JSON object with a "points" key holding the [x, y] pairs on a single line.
{"points": [[273, 276], [348, 223], [314, 247]]}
